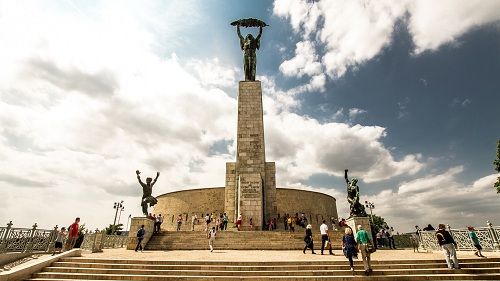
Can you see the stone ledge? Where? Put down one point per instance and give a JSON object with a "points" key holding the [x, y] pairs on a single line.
{"points": [[25, 271]]}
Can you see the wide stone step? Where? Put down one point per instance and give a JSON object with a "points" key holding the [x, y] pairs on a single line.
{"points": [[257, 263], [345, 266], [254, 272], [349, 277]]}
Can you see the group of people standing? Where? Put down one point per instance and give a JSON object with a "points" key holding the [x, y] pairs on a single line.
{"points": [[71, 236], [351, 245]]}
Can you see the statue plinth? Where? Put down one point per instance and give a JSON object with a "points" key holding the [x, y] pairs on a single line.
{"points": [[135, 224], [353, 223], [250, 181]]}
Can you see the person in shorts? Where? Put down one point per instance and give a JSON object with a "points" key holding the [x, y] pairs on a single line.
{"points": [[475, 241], [61, 234]]}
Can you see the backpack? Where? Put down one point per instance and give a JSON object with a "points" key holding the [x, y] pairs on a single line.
{"points": [[140, 233]]}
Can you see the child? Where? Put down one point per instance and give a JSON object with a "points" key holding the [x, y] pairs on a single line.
{"points": [[475, 240], [61, 234], [211, 238]]}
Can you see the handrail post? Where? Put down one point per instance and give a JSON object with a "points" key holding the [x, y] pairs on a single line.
{"points": [[29, 245], [494, 237], [3, 242]]}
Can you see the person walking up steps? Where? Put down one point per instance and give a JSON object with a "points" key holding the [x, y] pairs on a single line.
{"points": [[448, 245], [363, 239], [323, 229], [61, 234], [211, 238], [475, 240], [140, 236], [349, 246], [309, 239]]}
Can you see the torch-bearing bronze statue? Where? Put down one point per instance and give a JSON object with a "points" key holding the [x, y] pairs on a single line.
{"points": [[249, 45]]}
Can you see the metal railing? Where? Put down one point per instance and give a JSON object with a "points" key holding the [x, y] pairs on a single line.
{"points": [[34, 240], [26, 240], [488, 238], [98, 240]]}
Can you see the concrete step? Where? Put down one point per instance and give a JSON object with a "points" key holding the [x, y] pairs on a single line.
{"points": [[222, 266], [347, 277]]}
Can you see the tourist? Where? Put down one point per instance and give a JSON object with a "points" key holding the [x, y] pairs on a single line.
{"points": [[323, 229], [217, 224], [251, 224], [207, 222], [414, 242], [211, 238], [274, 223], [285, 221], [61, 234], [194, 220], [349, 246], [390, 237], [291, 224], [73, 234], [309, 239], [160, 221], [379, 239], [179, 222], [140, 236], [383, 235], [239, 221], [475, 241], [363, 239], [334, 223], [221, 221], [225, 219], [448, 245]]}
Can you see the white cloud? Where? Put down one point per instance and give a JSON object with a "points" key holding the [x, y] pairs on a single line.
{"points": [[353, 32], [438, 198], [355, 112], [305, 61]]}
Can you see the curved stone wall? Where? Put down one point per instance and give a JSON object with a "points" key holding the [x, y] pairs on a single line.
{"points": [[317, 206]]}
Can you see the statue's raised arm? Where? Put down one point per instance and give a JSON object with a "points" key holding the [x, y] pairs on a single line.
{"points": [[154, 181], [346, 178]]}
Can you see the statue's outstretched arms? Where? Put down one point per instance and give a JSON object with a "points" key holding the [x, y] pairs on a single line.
{"points": [[154, 181], [260, 33], [139, 177], [242, 40], [345, 176]]}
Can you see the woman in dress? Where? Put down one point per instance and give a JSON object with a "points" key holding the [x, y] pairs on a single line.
{"points": [[349, 246]]}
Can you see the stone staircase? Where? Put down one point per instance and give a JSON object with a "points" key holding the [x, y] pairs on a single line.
{"points": [[237, 240], [140, 269]]}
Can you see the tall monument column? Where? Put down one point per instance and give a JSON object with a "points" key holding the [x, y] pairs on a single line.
{"points": [[250, 181]]}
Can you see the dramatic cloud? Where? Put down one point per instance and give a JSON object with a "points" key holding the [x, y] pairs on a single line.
{"points": [[353, 32], [439, 198]]}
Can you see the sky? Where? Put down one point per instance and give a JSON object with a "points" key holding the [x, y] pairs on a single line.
{"points": [[404, 94]]}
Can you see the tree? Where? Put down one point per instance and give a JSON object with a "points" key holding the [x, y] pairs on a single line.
{"points": [[378, 222], [496, 163], [114, 229]]}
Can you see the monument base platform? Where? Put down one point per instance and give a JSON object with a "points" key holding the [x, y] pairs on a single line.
{"points": [[354, 222], [135, 224], [238, 240]]}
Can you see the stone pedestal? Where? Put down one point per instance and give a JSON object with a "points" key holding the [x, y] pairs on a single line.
{"points": [[250, 181], [353, 223], [135, 225]]}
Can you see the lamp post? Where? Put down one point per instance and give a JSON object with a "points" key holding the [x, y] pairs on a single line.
{"points": [[128, 219], [117, 206], [371, 206]]}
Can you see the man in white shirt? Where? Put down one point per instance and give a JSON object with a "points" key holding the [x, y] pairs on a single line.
{"points": [[323, 229], [211, 238]]}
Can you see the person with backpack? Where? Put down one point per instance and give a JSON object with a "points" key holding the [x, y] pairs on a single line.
{"points": [[364, 244], [448, 244], [349, 246], [140, 236], [308, 239], [225, 219]]}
